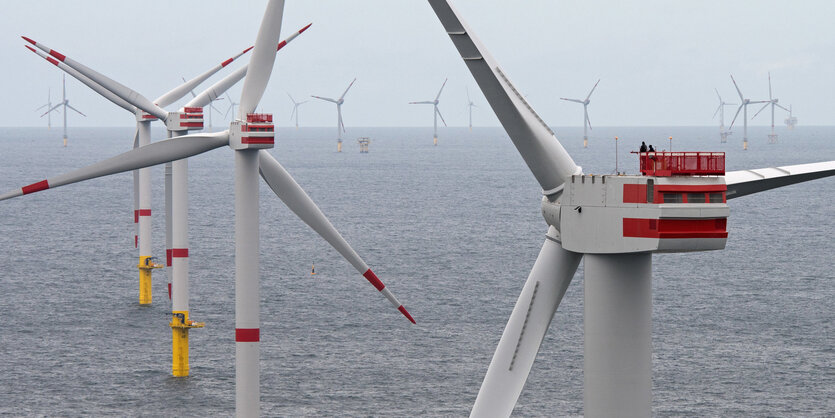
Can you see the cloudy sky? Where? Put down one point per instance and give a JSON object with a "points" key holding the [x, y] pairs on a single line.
{"points": [[658, 61]]}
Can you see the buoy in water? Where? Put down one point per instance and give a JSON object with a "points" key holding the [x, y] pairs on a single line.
{"points": [[313, 269]]}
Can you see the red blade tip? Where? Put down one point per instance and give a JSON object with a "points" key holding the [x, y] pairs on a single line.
{"points": [[30, 48], [305, 28], [247, 50], [406, 314], [29, 40]]}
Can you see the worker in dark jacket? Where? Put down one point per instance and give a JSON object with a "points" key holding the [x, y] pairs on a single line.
{"points": [[651, 149], [643, 147]]}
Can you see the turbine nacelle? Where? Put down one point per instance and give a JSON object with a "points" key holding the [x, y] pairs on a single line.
{"points": [[257, 132], [187, 119]]}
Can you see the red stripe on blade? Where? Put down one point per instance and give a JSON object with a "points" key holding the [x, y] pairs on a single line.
{"points": [[246, 50], [225, 63], [372, 278], [168, 257], [35, 187], [52, 61], [61, 57], [247, 335], [305, 28], [281, 45], [406, 313], [179, 252], [29, 40], [30, 48]]}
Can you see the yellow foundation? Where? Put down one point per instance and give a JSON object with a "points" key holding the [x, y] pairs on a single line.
{"points": [[436, 141], [146, 265], [585, 142], [180, 324], [65, 142], [339, 146], [745, 144]]}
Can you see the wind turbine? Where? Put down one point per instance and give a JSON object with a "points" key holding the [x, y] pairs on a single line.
{"points": [[436, 112], [586, 121], [772, 137], [613, 224], [744, 107], [49, 108], [470, 106], [723, 134], [231, 107], [295, 109], [249, 135], [66, 104], [340, 127], [176, 191]]}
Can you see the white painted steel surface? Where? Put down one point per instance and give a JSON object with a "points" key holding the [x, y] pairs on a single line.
{"points": [[145, 244]]}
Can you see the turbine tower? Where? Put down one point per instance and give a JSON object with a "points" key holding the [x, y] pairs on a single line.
{"points": [[470, 106], [773, 102], [611, 223], [340, 127], [586, 121], [744, 107], [48, 107], [249, 135], [723, 134], [296, 106], [66, 104], [437, 112]]}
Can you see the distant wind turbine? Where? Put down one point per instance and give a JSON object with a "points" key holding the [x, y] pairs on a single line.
{"points": [[48, 106], [586, 121], [66, 104], [723, 134], [295, 109], [791, 120], [470, 106], [743, 106], [211, 105], [437, 112], [340, 127], [772, 137], [231, 107]]}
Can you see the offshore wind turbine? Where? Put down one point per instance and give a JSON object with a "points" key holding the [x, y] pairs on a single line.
{"points": [[231, 107], [340, 127], [612, 223], [586, 121], [773, 102], [723, 134], [66, 104], [48, 107], [248, 136], [470, 106], [791, 120], [296, 106], [436, 112], [744, 107]]}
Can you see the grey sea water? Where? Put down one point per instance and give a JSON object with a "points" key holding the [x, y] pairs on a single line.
{"points": [[453, 230]]}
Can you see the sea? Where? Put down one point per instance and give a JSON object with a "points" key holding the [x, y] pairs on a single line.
{"points": [[452, 230]]}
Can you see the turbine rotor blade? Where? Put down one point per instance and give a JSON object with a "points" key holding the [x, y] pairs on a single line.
{"points": [[77, 111], [286, 188], [155, 153], [586, 112], [98, 88], [761, 109], [572, 100], [544, 289], [781, 107], [439, 114], [442, 89], [346, 90], [737, 89], [53, 108], [735, 115], [592, 89], [769, 86], [263, 58], [717, 111], [424, 102], [126, 93], [178, 92]]}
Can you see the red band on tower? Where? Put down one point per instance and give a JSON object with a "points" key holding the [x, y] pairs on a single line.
{"points": [[247, 335], [179, 252]]}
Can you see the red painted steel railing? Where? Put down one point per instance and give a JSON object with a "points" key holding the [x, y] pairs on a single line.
{"points": [[665, 164]]}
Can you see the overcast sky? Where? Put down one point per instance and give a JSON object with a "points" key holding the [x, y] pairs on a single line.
{"points": [[658, 61]]}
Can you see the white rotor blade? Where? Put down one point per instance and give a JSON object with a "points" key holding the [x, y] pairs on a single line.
{"points": [[549, 162], [78, 111], [216, 90], [178, 92], [117, 88], [737, 89], [107, 94], [551, 274], [735, 115], [592, 89], [155, 153], [346, 90], [717, 111], [341, 124], [781, 107], [286, 188], [769, 86], [586, 113], [293, 112], [439, 114], [745, 182], [424, 102], [263, 58], [51, 109], [717, 95], [442, 89], [761, 109], [327, 99], [572, 100]]}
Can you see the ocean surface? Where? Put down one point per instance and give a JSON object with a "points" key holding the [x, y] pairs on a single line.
{"points": [[452, 230]]}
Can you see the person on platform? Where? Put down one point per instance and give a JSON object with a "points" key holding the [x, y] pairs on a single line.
{"points": [[643, 147], [651, 149]]}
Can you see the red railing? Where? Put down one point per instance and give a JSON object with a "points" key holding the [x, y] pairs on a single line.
{"points": [[664, 164], [259, 117]]}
